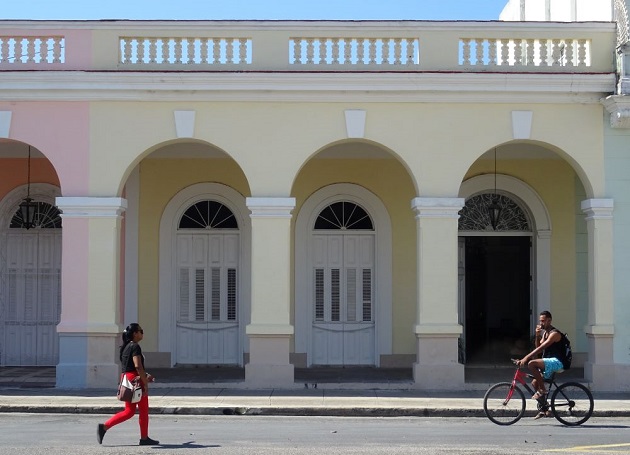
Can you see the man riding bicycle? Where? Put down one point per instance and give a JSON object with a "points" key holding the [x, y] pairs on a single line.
{"points": [[548, 342]]}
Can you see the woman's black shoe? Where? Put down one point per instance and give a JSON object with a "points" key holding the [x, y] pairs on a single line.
{"points": [[100, 432], [148, 442]]}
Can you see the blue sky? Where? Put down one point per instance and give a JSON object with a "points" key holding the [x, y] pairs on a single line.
{"points": [[253, 9]]}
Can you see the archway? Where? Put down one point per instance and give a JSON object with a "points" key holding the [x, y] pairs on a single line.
{"points": [[501, 270], [343, 277]]}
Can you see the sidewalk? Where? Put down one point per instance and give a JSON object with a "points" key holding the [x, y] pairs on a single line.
{"points": [[32, 392]]}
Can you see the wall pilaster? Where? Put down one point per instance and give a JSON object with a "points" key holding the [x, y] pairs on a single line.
{"points": [[437, 329], [270, 329], [89, 331]]}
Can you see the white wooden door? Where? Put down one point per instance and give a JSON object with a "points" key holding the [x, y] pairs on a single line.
{"points": [[207, 302], [32, 298], [343, 300]]}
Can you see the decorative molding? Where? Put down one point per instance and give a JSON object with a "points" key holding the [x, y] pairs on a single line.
{"points": [[619, 108], [184, 123], [456, 87], [598, 209], [522, 124], [5, 123], [355, 123], [270, 207], [91, 207], [437, 207]]}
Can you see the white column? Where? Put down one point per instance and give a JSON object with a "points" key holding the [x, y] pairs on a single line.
{"points": [[270, 329], [89, 331], [599, 368], [437, 329]]}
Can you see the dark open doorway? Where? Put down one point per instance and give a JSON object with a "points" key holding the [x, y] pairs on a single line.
{"points": [[498, 301]]}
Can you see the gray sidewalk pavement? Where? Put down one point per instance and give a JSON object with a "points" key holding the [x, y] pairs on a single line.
{"points": [[189, 392]]}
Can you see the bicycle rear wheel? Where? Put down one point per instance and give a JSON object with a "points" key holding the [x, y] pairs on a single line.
{"points": [[572, 403], [503, 404]]}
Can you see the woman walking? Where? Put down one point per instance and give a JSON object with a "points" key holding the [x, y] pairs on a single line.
{"points": [[132, 362]]}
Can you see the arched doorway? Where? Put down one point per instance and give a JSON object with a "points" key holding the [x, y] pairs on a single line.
{"points": [[343, 277], [204, 251], [30, 308], [496, 301]]}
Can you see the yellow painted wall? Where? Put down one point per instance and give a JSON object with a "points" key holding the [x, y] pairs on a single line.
{"points": [[554, 181], [389, 181], [160, 180]]}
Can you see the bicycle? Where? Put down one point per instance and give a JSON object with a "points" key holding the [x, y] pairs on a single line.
{"points": [[571, 402]]}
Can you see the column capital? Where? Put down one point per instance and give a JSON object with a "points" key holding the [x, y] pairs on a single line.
{"points": [[598, 208], [270, 207], [91, 207], [437, 207]]}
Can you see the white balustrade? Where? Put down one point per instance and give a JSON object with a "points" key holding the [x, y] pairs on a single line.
{"points": [[185, 51], [357, 52], [17, 50], [514, 52]]}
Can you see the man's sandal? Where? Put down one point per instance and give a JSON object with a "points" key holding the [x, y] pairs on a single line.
{"points": [[539, 395]]}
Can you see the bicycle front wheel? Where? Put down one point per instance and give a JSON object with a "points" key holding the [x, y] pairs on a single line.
{"points": [[504, 404], [572, 403]]}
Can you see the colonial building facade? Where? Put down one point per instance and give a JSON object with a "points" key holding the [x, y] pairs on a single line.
{"points": [[282, 194]]}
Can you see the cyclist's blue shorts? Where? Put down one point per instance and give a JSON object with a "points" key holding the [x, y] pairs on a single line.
{"points": [[552, 365]]}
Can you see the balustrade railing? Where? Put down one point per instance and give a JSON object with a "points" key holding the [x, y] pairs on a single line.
{"points": [[168, 51], [41, 50], [307, 46], [525, 52]]}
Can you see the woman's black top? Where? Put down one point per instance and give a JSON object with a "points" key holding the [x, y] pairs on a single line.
{"points": [[131, 350]]}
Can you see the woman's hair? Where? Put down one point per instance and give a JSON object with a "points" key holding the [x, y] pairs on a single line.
{"points": [[127, 336]]}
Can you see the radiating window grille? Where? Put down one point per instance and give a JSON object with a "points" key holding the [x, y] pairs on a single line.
{"points": [[344, 215], [208, 215], [475, 215], [47, 216]]}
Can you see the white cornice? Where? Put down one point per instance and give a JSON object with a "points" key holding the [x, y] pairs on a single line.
{"points": [[300, 87], [619, 108]]}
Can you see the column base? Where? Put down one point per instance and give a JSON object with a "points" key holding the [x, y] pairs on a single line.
{"points": [[437, 367], [269, 365], [88, 361]]}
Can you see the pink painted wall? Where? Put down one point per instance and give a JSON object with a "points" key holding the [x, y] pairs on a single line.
{"points": [[61, 131]]}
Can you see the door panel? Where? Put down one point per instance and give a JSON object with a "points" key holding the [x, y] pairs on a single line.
{"points": [[343, 326], [207, 320]]}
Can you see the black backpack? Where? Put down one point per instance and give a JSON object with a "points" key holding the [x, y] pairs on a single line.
{"points": [[566, 354]]}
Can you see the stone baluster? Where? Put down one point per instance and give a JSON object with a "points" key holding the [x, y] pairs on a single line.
{"points": [[544, 57], [372, 51], [518, 52], [165, 51], [505, 52], [492, 52], [216, 50], [556, 53], [323, 51], [203, 51], [152, 49], [190, 51], [297, 51], [347, 51], [530, 51], [335, 50], [57, 49], [310, 51], [479, 51], [360, 51], [397, 51], [4, 50], [229, 51], [466, 51], [30, 49], [385, 51], [242, 47], [568, 53], [19, 50], [140, 51], [44, 50], [178, 51], [581, 52], [411, 54], [126, 57]]}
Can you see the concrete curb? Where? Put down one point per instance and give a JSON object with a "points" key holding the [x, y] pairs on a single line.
{"points": [[281, 411]]}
